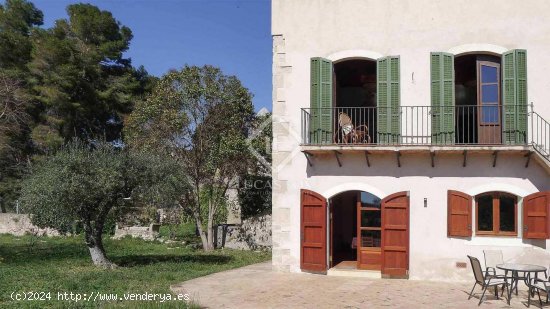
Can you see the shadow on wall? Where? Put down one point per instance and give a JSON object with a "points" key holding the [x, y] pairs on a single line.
{"points": [[531, 255], [541, 243], [448, 165]]}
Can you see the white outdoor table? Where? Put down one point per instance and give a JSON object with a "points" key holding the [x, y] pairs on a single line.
{"points": [[516, 268]]}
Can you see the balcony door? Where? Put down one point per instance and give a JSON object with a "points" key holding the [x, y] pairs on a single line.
{"points": [[489, 103]]}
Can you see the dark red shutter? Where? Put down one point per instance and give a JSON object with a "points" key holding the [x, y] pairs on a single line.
{"points": [[313, 244], [395, 235], [459, 214], [535, 215]]}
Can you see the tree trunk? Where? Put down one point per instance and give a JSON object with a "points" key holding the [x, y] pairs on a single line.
{"points": [[94, 241], [99, 258], [204, 239], [97, 252], [210, 231]]}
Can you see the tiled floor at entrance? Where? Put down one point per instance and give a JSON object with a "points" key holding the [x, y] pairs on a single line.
{"points": [[349, 269], [258, 287], [346, 265]]}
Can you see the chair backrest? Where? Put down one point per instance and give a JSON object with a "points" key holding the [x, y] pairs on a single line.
{"points": [[478, 272], [493, 258], [344, 119], [367, 241]]}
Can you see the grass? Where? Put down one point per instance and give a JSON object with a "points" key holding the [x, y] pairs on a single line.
{"points": [[62, 264], [182, 232]]}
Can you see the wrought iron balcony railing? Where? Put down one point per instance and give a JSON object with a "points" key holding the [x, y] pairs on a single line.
{"points": [[539, 134], [426, 125]]}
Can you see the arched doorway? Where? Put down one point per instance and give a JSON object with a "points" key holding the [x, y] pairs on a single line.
{"points": [[355, 230], [377, 230]]}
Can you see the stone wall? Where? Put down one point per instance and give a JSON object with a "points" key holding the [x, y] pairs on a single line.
{"points": [[20, 224], [253, 234], [283, 152], [150, 232]]}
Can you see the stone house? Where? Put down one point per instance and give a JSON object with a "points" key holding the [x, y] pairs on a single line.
{"points": [[408, 134]]}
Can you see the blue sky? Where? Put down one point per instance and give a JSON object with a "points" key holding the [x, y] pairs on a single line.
{"points": [[231, 34]]}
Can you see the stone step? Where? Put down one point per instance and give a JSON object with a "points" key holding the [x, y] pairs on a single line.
{"points": [[357, 273]]}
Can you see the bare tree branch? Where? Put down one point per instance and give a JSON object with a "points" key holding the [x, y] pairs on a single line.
{"points": [[13, 104]]}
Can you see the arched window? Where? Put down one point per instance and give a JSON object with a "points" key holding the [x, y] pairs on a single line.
{"points": [[496, 214]]}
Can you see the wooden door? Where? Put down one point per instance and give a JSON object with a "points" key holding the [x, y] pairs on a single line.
{"points": [[313, 244], [395, 235], [536, 215], [331, 237], [488, 101], [369, 234]]}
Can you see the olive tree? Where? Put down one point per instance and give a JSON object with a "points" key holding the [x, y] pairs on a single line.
{"points": [[87, 182], [201, 117]]}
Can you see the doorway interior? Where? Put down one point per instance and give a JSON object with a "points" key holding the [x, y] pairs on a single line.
{"points": [[355, 231], [478, 99], [381, 240], [355, 93]]}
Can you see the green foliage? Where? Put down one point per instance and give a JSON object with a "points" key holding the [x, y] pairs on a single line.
{"points": [[14, 145], [202, 117], [255, 185], [185, 231], [10, 182], [75, 184], [81, 78], [17, 19], [84, 183], [220, 215], [260, 140], [72, 80], [255, 195], [61, 264]]}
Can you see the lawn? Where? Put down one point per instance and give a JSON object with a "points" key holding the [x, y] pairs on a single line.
{"points": [[62, 264]]}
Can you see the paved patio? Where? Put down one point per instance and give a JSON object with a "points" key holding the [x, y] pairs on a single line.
{"points": [[256, 286]]}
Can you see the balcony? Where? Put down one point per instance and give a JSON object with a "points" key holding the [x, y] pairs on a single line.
{"points": [[488, 128]]}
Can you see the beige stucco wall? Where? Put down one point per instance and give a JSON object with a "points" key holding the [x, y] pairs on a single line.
{"points": [[411, 29]]}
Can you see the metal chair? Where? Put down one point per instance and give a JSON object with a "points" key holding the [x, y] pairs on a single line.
{"points": [[486, 282], [492, 259], [367, 241], [539, 285]]}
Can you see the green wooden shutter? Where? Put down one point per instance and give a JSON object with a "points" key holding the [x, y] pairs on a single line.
{"points": [[514, 96], [388, 100], [321, 122], [443, 98]]}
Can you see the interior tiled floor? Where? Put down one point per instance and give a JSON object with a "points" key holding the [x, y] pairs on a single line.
{"points": [[346, 265]]}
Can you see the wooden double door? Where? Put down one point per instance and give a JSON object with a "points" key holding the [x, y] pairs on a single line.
{"points": [[382, 234]]}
